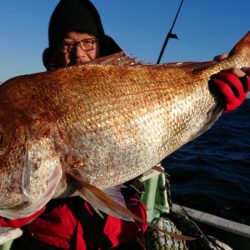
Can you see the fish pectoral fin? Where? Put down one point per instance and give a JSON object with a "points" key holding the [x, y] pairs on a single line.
{"points": [[115, 194], [100, 200]]}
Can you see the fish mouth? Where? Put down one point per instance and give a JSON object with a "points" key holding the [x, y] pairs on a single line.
{"points": [[29, 206]]}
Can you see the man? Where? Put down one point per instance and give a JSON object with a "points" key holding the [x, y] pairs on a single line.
{"points": [[76, 36]]}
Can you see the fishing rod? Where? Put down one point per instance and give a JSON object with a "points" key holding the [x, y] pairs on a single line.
{"points": [[170, 34]]}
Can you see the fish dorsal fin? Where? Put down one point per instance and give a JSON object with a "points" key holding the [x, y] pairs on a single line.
{"points": [[119, 58], [101, 201]]}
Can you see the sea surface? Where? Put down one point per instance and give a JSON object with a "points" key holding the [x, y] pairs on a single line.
{"points": [[212, 173]]}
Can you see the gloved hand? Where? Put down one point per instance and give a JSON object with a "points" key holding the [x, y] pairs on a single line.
{"points": [[231, 87]]}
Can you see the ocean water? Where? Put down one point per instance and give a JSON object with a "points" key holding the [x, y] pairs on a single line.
{"points": [[212, 173]]}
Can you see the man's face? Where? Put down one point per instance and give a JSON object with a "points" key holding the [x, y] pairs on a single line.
{"points": [[78, 48]]}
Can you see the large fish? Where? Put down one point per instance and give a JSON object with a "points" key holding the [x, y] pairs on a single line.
{"points": [[100, 124]]}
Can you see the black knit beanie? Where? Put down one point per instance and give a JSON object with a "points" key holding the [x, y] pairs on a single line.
{"points": [[74, 15]]}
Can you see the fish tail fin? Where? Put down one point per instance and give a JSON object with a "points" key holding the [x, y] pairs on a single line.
{"points": [[242, 47], [101, 201]]}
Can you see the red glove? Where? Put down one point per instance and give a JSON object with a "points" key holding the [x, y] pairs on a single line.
{"points": [[230, 88]]}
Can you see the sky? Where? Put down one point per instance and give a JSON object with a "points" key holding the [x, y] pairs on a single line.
{"points": [[205, 28]]}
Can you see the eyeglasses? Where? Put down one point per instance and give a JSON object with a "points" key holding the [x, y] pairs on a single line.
{"points": [[86, 45]]}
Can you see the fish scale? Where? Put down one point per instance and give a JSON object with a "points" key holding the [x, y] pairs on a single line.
{"points": [[110, 120]]}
